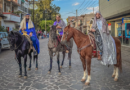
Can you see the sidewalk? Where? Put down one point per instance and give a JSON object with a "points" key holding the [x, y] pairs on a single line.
{"points": [[125, 52]]}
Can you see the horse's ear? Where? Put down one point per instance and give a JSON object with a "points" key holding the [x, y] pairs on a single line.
{"points": [[12, 32], [69, 26]]}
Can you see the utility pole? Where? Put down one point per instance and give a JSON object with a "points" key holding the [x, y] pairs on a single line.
{"points": [[45, 25], [76, 14], [33, 11], [76, 17], [93, 10]]}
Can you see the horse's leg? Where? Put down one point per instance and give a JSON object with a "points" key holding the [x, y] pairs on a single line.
{"points": [[114, 72], [30, 56], [58, 62], [20, 67], [36, 61], [69, 57], [63, 59], [116, 75], [51, 57], [88, 60], [25, 65], [84, 67]]}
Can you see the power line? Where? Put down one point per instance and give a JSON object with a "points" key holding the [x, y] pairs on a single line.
{"points": [[90, 5], [81, 4], [86, 5]]}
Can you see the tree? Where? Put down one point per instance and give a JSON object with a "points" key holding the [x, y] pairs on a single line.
{"points": [[44, 9], [2, 29], [48, 23]]}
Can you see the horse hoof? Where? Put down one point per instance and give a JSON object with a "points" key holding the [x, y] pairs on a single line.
{"points": [[113, 76], [29, 69], [25, 77], [60, 66], [36, 69], [49, 72], [115, 79], [82, 80], [20, 76], [87, 83], [59, 73], [69, 66]]}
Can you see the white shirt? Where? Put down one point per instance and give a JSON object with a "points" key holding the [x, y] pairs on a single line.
{"points": [[99, 24]]}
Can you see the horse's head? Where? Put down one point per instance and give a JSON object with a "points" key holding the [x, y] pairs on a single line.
{"points": [[13, 38], [66, 35], [53, 32]]}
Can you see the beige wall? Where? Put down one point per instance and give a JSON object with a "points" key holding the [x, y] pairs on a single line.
{"points": [[113, 8]]}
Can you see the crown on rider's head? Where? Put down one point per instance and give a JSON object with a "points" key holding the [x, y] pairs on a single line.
{"points": [[27, 14]]}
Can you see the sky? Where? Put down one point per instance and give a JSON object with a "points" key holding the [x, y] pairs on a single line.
{"points": [[68, 7]]}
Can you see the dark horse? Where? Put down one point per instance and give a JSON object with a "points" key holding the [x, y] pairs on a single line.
{"points": [[55, 46], [21, 45], [84, 46]]}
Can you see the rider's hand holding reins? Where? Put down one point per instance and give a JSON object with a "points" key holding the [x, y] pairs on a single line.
{"points": [[58, 27], [93, 30], [22, 29]]}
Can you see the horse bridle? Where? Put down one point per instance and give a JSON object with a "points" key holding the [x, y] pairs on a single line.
{"points": [[66, 33], [19, 44]]}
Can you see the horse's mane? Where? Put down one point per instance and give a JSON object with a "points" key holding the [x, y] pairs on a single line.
{"points": [[80, 33]]}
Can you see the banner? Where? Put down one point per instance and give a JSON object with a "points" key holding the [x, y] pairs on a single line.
{"points": [[126, 20]]}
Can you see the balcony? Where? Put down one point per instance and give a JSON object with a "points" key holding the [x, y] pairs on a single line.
{"points": [[14, 2], [23, 9], [11, 17]]}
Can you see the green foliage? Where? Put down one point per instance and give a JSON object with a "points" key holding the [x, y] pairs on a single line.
{"points": [[44, 9], [48, 23], [17, 12], [2, 29]]}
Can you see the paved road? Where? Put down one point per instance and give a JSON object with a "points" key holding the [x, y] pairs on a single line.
{"points": [[69, 80]]}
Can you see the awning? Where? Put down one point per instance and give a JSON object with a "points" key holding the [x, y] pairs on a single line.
{"points": [[1, 15]]}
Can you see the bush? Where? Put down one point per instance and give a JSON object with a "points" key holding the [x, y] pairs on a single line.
{"points": [[3, 29], [48, 23]]}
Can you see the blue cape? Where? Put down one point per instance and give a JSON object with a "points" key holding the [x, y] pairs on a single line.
{"points": [[33, 38]]}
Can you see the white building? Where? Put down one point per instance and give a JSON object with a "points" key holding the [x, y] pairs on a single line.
{"points": [[13, 10]]}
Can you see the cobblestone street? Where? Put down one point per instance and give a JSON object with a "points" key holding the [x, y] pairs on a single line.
{"points": [[101, 76]]}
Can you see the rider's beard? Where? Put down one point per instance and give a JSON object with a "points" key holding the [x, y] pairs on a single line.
{"points": [[27, 20], [98, 17]]}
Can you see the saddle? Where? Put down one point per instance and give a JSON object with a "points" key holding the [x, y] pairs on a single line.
{"points": [[30, 42], [96, 42], [93, 43]]}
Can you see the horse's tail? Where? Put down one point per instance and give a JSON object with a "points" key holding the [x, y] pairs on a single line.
{"points": [[120, 61]]}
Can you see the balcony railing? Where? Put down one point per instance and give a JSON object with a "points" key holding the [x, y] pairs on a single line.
{"points": [[15, 2], [11, 17]]}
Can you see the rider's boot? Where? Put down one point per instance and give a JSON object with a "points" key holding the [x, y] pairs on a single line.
{"points": [[99, 56]]}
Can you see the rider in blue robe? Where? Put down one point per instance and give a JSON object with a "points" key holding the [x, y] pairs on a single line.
{"points": [[33, 37]]}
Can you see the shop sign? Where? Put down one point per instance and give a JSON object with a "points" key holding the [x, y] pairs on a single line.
{"points": [[119, 28], [127, 30], [126, 20]]}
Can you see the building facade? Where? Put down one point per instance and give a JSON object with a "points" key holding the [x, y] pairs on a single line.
{"points": [[117, 14], [81, 23], [13, 11]]}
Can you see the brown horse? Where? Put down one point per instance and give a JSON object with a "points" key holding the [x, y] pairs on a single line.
{"points": [[85, 50]]}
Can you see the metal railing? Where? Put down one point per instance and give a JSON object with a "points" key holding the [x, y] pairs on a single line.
{"points": [[23, 9]]}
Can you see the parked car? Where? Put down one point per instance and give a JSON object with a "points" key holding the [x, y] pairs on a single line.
{"points": [[4, 43]]}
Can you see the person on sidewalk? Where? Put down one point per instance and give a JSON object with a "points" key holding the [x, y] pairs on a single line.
{"points": [[108, 54]]}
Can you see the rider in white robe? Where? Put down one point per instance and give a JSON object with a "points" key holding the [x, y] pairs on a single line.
{"points": [[109, 49]]}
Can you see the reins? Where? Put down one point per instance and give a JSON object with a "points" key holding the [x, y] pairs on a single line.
{"points": [[19, 44], [81, 48]]}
